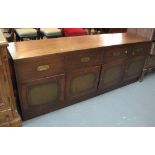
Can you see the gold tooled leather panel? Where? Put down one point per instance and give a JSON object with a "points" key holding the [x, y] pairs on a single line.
{"points": [[43, 93], [112, 74], [82, 83], [135, 67]]}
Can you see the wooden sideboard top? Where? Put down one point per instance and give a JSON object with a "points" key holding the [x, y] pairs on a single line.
{"points": [[34, 48], [3, 41]]}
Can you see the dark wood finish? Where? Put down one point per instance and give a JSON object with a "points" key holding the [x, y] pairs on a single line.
{"points": [[115, 53], [84, 58], [134, 68], [39, 67], [38, 97], [84, 67], [8, 112], [35, 48], [140, 49], [148, 33]]}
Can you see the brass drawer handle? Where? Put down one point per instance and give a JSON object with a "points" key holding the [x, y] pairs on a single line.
{"points": [[43, 68], [126, 52], [85, 59], [115, 54]]}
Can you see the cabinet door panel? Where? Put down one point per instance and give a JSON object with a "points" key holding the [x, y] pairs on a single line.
{"points": [[43, 93], [82, 82], [41, 96], [111, 75], [134, 68]]}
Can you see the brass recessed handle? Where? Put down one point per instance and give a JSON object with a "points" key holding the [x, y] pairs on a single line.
{"points": [[43, 68], [126, 52], [85, 59]]}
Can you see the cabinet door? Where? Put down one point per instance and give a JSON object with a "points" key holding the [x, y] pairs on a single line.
{"points": [[42, 96], [111, 75], [134, 68], [82, 82]]}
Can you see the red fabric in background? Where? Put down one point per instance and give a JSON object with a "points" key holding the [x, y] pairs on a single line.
{"points": [[68, 32]]}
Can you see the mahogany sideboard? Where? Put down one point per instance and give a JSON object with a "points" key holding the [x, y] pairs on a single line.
{"points": [[8, 112], [54, 73]]}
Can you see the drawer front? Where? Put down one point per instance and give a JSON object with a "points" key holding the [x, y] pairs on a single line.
{"points": [[114, 53], [140, 49], [82, 82], [5, 116], [84, 58], [134, 68], [36, 68], [42, 96]]}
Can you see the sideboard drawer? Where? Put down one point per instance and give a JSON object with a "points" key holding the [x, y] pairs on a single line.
{"points": [[140, 49], [84, 58], [35, 68], [114, 53]]}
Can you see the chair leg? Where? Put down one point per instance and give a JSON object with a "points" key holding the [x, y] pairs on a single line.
{"points": [[33, 38], [41, 36], [17, 38], [142, 75]]}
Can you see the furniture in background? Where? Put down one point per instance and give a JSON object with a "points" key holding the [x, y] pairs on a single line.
{"points": [[70, 32], [26, 33], [105, 30], [50, 32], [8, 112], [72, 69], [116, 30], [148, 33], [8, 34]]}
